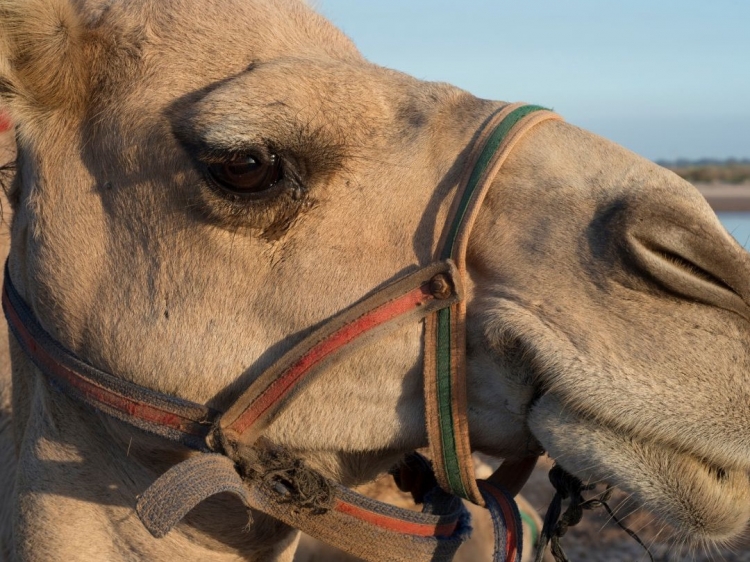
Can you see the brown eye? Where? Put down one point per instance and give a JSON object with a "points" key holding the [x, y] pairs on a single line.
{"points": [[245, 174]]}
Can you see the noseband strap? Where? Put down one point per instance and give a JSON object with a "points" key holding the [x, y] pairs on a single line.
{"points": [[410, 298], [239, 463]]}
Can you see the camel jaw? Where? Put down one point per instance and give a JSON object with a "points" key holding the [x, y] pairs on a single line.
{"points": [[701, 500]]}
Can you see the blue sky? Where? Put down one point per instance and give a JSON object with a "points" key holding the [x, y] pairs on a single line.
{"points": [[665, 78]]}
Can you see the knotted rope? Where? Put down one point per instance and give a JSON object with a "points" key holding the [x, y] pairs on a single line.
{"points": [[568, 487], [289, 477]]}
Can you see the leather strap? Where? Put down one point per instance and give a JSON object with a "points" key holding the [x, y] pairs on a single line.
{"points": [[408, 299], [445, 331], [363, 527], [171, 417], [358, 525]]}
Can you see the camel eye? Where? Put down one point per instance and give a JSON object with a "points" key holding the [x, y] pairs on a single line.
{"points": [[246, 174]]}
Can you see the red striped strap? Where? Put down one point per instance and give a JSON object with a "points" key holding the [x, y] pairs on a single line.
{"points": [[360, 525], [363, 527], [406, 300], [5, 123], [506, 522], [437, 529], [176, 419]]}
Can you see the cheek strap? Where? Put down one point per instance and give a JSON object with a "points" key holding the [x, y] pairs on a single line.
{"points": [[445, 331]]}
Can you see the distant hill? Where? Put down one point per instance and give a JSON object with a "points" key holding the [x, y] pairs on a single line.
{"points": [[732, 171]]}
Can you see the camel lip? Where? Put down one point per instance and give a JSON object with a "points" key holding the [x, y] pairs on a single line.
{"points": [[699, 498], [730, 486], [712, 466]]}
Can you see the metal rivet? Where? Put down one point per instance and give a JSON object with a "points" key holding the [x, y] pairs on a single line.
{"points": [[441, 287], [282, 490]]}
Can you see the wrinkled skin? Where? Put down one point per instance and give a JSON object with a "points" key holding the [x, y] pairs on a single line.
{"points": [[608, 316]]}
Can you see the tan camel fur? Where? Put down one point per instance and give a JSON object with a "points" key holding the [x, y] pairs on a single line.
{"points": [[608, 315]]}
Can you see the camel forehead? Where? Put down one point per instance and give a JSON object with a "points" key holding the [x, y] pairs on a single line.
{"points": [[289, 103], [206, 41], [275, 64]]}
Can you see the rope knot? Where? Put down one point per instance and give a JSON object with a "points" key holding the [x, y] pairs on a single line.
{"points": [[570, 487], [287, 476], [291, 480]]}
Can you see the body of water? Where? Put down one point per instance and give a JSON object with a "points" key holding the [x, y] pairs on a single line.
{"points": [[738, 224]]}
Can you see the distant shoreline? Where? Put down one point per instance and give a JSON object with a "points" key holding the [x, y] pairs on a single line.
{"points": [[732, 171], [726, 197], [724, 183]]}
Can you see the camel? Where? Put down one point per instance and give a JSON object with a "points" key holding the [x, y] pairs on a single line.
{"points": [[199, 184]]}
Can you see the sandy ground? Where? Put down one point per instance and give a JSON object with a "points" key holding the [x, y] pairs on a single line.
{"points": [[597, 538]]}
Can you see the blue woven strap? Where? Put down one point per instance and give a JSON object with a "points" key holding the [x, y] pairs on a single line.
{"points": [[506, 522]]}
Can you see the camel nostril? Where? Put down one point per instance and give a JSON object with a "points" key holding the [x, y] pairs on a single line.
{"points": [[685, 270], [689, 267]]}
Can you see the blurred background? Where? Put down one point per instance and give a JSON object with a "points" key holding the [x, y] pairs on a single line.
{"points": [[667, 79]]}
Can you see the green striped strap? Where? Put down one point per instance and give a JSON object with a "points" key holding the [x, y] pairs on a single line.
{"points": [[444, 335], [490, 149]]}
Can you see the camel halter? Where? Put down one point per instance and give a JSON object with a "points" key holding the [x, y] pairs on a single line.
{"points": [[236, 458]]}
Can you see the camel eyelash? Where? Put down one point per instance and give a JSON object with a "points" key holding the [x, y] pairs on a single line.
{"points": [[220, 202], [272, 213]]}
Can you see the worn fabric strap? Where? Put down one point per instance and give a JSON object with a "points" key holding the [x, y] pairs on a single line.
{"points": [[506, 522], [176, 419], [407, 299], [176, 492], [356, 524], [445, 331]]}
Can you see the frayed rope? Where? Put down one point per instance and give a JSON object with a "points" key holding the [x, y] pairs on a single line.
{"points": [[289, 477]]}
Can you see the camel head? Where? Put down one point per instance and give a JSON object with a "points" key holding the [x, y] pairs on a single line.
{"points": [[201, 183]]}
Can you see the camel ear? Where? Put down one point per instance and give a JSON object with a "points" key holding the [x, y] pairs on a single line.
{"points": [[43, 51]]}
